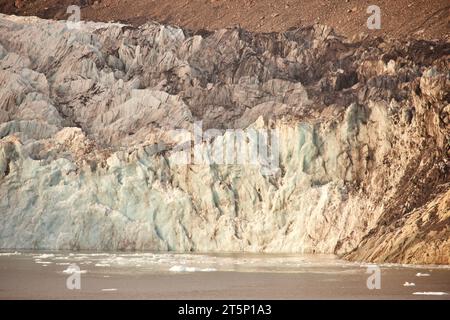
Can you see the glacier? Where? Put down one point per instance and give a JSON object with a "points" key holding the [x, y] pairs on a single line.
{"points": [[87, 154]]}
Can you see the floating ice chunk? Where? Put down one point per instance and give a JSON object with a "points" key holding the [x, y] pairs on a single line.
{"points": [[42, 262], [61, 258], [431, 293], [102, 265], [110, 289], [179, 268], [409, 284], [45, 256], [7, 254], [72, 269], [422, 274]]}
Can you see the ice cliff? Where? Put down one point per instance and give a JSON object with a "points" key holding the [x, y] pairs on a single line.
{"points": [[88, 111]]}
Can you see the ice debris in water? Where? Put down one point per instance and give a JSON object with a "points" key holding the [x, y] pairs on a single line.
{"points": [[409, 284], [7, 254], [430, 293], [190, 269], [72, 269]]}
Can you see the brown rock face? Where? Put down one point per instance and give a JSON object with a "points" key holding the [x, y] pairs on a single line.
{"points": [[18, 4], [399, 18]]}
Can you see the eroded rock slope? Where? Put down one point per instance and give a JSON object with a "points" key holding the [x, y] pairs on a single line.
{"points": [[87, 150]]}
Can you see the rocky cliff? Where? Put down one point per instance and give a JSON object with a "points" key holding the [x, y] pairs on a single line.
{"points": [[90, 121]]}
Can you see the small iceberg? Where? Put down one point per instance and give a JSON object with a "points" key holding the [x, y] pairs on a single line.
{"points": [[409, 284], [431, 293], [7, 254], [45, 256], [422, 274], [179, 268], [72, 269]]}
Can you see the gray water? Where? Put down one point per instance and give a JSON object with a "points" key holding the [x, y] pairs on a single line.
{"points": [[44, 275]]}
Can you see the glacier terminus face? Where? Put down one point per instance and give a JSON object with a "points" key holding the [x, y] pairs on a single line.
{"points": [[156, 138]]}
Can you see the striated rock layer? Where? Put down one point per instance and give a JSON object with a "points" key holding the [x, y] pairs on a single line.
{"points": [[88, 151]]}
